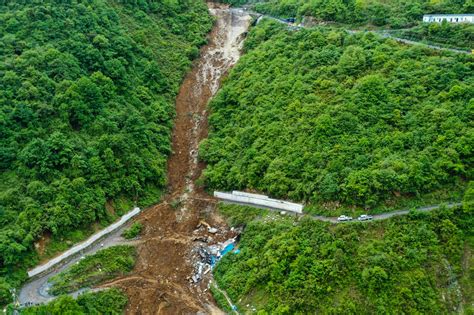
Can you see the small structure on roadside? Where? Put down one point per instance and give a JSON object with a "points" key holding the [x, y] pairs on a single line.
{"points": [[259, 201], [450, 18]]}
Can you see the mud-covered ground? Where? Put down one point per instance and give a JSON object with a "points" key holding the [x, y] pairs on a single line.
{"points": [[161, 281]]}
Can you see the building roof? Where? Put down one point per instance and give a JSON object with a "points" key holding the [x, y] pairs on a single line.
{"points": [[441, 14]]}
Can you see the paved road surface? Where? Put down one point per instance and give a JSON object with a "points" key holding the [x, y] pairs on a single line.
{"points": [[36, 290], [388, 215]]}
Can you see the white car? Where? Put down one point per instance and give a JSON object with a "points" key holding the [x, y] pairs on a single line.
{"points": [[365, 217], [343, 218]]}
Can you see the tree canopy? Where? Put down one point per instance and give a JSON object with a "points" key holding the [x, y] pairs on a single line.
{"points": [[86, 106], [111, 301], [406, 265], [396, 13], [323, 116]]}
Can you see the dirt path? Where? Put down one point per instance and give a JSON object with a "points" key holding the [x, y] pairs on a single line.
{"points": [[160, 282]]}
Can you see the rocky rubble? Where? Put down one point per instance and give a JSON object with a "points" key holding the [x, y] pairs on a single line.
{"points": [[210, 244]]}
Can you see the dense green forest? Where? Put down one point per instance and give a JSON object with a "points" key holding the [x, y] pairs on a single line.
{"points": [[395, 13], [87, 90], [446, 34], [111, 301], [326, 117], [416, 264]]}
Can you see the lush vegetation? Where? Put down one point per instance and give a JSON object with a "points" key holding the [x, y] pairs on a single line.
{"points": [[133, 231], [86, 106], [396, 13], [220, 299], [237, 215], [405, 265], [111, 301], [450, 35], [327, 117], [106, 264]]}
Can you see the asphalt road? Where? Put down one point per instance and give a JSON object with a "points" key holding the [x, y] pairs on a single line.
{"points": [[388, 215], [36, 289]]}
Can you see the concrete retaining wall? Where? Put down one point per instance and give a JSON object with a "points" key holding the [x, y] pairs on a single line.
{"points": [[259, 201], [79, 247]]}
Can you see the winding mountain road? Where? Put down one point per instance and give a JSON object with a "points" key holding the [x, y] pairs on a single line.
{"points": [[388, 215], [382, 33]]}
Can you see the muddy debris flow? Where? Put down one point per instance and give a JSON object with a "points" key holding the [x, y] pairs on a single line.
{"points": [[172, 273]]}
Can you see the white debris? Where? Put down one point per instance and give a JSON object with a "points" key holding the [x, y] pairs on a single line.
{"points": [[212, 230]]}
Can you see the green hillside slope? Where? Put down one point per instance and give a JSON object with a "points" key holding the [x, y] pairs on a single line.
{"points": [[86, 106], [459, 36], [418, 264], [396, 13], [334, 119], [330, 118]]}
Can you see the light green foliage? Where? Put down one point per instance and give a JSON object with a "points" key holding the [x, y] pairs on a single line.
{"points": [[220, 299], [86, 106], [468, 200], [111, 301], [240, 215], [5, 294], [403, 265], [326, 117], [133, 231], [106, 264]]}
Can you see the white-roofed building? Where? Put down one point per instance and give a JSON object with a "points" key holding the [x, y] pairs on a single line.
{"points": [[450, 18]]}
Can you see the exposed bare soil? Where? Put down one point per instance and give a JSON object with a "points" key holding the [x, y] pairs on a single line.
{"points": [[160, 282]]}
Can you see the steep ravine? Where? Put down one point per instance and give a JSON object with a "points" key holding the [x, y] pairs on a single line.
{"points": [[160, 282]]}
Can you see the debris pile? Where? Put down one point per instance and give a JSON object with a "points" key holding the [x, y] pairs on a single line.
{"points": [[212, 244]]}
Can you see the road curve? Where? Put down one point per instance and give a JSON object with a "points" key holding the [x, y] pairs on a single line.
{"points": [[36, 289], [387, 215]]}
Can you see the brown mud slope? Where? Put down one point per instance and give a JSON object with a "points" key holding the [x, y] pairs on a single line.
{"points": [[160, 282]]}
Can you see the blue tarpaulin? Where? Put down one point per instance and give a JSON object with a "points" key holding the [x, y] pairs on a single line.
{"points": [[227, 249]]}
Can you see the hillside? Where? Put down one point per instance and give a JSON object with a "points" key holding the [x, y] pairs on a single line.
{"points": [[418, 264], [396, 13], [341, 121], [459, 36], [86, 105], [334, 119]]}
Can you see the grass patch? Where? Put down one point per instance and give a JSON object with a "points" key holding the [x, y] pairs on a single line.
{"points": [[467, 278], [122, 205], [133, 231], [60, 243], [104, 265], [446, 195], [220, 299], [151, 195], [112, 301], [240, 215]]}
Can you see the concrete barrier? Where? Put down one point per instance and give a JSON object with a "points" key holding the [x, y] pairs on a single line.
{"points": [[79, 247], [257, 200]]}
